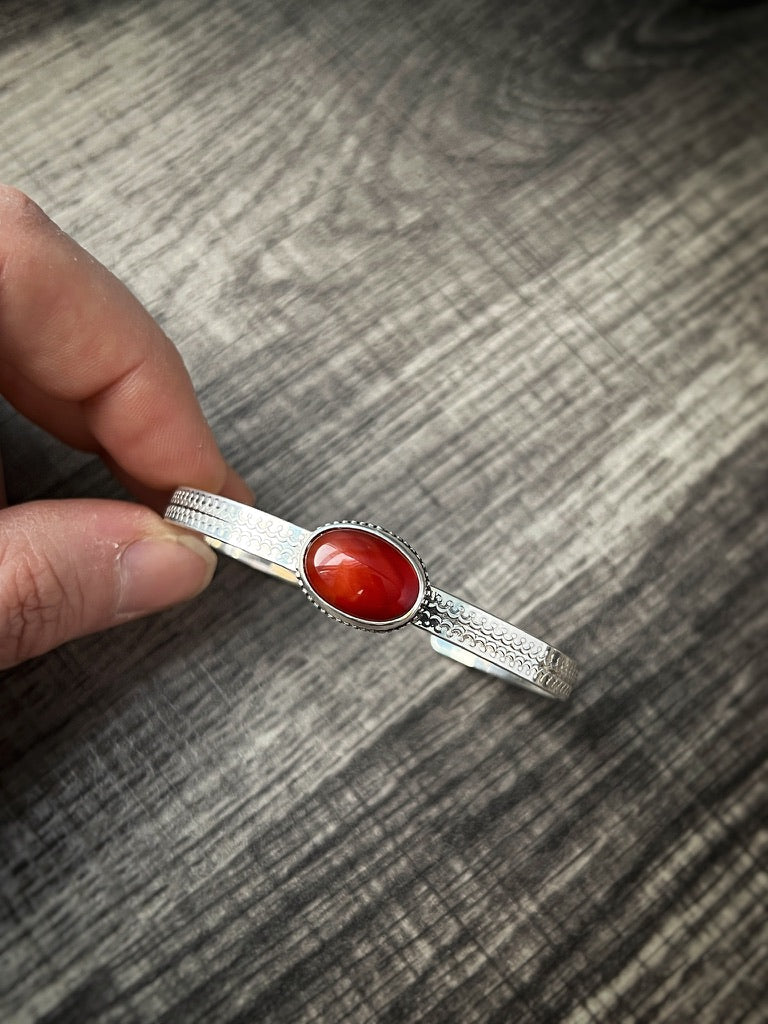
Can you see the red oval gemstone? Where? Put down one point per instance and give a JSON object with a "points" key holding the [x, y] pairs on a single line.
{"points": [[361, 574]]}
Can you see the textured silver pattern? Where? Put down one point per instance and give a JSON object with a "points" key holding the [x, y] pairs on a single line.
{"points": [[235, 527], [496, 642], [459, 630]]}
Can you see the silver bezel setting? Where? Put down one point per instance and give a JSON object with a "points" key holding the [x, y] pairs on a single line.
{"points": [[352, 620]]}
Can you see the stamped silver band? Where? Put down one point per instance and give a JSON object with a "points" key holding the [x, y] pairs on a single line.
{"points": [[458, 629]]}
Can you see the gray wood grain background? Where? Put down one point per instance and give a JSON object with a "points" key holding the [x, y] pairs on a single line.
{"points": [[495, 276]]}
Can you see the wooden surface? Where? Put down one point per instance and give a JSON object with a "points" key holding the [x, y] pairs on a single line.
{"points": [[494, 276]]}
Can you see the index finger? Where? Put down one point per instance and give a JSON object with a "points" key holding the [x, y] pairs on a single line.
{"points": [[83, 358]]}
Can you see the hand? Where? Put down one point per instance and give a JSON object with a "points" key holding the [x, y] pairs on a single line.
{"points": [[83, 359]]}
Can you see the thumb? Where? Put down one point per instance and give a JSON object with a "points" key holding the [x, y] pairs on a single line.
{"points": [[72, 567]]}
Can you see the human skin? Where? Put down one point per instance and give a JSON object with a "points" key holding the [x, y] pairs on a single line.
{"points": [[83, 359]]}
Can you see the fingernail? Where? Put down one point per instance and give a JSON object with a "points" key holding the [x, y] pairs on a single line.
{"points": [[160, 571]]}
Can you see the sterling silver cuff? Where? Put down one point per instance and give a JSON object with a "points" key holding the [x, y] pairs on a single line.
{"points": [[366, 577]]}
